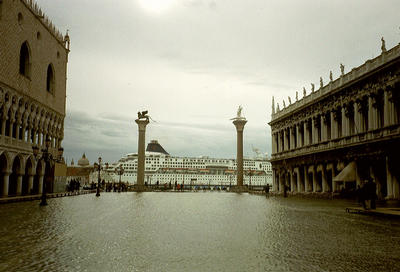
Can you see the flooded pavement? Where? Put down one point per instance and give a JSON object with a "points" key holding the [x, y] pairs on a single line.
{"points": [[210, 231]]}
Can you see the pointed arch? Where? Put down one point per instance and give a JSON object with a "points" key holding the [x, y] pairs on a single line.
{"points": [[25, 60], [50, 81]]}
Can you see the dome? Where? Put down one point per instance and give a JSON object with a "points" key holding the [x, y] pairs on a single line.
{"points": [[83, 161]]}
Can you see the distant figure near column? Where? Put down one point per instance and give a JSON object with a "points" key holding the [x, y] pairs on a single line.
{"points": [[239, 121], [142, 121]]}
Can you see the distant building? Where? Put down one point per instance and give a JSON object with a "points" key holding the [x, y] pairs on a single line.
{"points": [[164, 168], [80, 172], [33, 69], [342, 134]]}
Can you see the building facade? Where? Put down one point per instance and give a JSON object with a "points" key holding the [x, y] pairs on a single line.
{"points": [[164, 168], [342, 134], [33, 68]]}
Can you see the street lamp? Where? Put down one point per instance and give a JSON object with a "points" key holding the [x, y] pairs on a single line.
{"points": [[119, 171], [48, 160], [97, 166]]}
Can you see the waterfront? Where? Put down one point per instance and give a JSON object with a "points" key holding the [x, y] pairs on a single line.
{"points": [[212, 231]]}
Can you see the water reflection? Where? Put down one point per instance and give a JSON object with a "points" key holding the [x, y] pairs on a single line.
{"points": [[194, 232]]}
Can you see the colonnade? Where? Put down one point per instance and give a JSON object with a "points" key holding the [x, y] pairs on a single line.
{"points": [[360, 114], [20, 174], [318, 178], [25, 122]]}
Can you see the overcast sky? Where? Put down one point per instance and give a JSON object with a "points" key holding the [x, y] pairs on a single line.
{"points": [[191, 63]]}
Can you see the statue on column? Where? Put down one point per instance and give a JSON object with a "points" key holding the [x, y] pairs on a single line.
{"points": [[239, 112], [312, 87], [321, 83], [383, 46], [143, 115], [330, 76], [341, 69]]}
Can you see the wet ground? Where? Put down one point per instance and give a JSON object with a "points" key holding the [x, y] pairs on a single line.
{"points": [[203, 231]]}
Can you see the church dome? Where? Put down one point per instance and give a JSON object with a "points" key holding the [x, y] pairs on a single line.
{"points": [[83, 161]]}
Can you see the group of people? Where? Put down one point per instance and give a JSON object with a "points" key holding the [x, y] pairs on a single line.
{"points": [[73, 185], [367, 194]]}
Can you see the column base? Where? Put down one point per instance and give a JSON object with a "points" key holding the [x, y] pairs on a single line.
{"points": [[140, 188], [239, 189]]}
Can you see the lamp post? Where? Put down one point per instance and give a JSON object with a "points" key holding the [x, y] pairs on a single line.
{"points": [[48, 160], [119, 171], [97, 166]]}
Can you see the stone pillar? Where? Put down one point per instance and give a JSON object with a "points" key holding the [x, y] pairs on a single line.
{"points": [[306, 180], [39, 138], [30, 184], [305, 133], [6, 180], [292, 137], [239, 124], [274, 187], [142, 123], [17, 130], [29, 134], [19, 184], [298, 136], [11, 128], [293, 183], [3, 127], [282, 182], [41, 184], [344, 123], [285, 142], [325, 185], [314, 131], [298, 185]]}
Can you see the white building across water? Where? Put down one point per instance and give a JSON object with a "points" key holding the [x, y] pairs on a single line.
{"points": [[164, 168]]}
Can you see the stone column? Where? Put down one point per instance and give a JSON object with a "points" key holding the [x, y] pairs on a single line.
{"points": [[292, 182], [305, 133], [314, 131], [30, 183], [306, 180], [19, 184], [298, 185], [325, 185], [239, 124], [285, 142], [142, 123], [298, 136], [274, 180], [41, 177], [3, 127], [333, 126], [344, 123], [6, 180]]}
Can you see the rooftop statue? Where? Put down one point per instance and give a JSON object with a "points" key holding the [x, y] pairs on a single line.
{"points": [[297, 96], [304, 92], [277, 107], [342, 69], [312, 87], [330, 76], [284, 105], [290, 100], [321, 83], [383, 46]]}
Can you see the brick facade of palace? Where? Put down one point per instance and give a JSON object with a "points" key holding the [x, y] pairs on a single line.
{"points": [[33, 68]]}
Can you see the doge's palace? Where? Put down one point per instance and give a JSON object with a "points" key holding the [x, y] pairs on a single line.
{"points": [[33, 68]]}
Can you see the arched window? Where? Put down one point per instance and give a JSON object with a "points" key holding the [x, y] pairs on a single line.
{"points": [[24, 60], [50, 79]]}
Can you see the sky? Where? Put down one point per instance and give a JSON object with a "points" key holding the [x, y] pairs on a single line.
{"points": [[191, 63]]}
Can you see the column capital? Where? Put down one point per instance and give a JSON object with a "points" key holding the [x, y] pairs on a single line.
{"points": [[239, 124], [142, 123]]}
